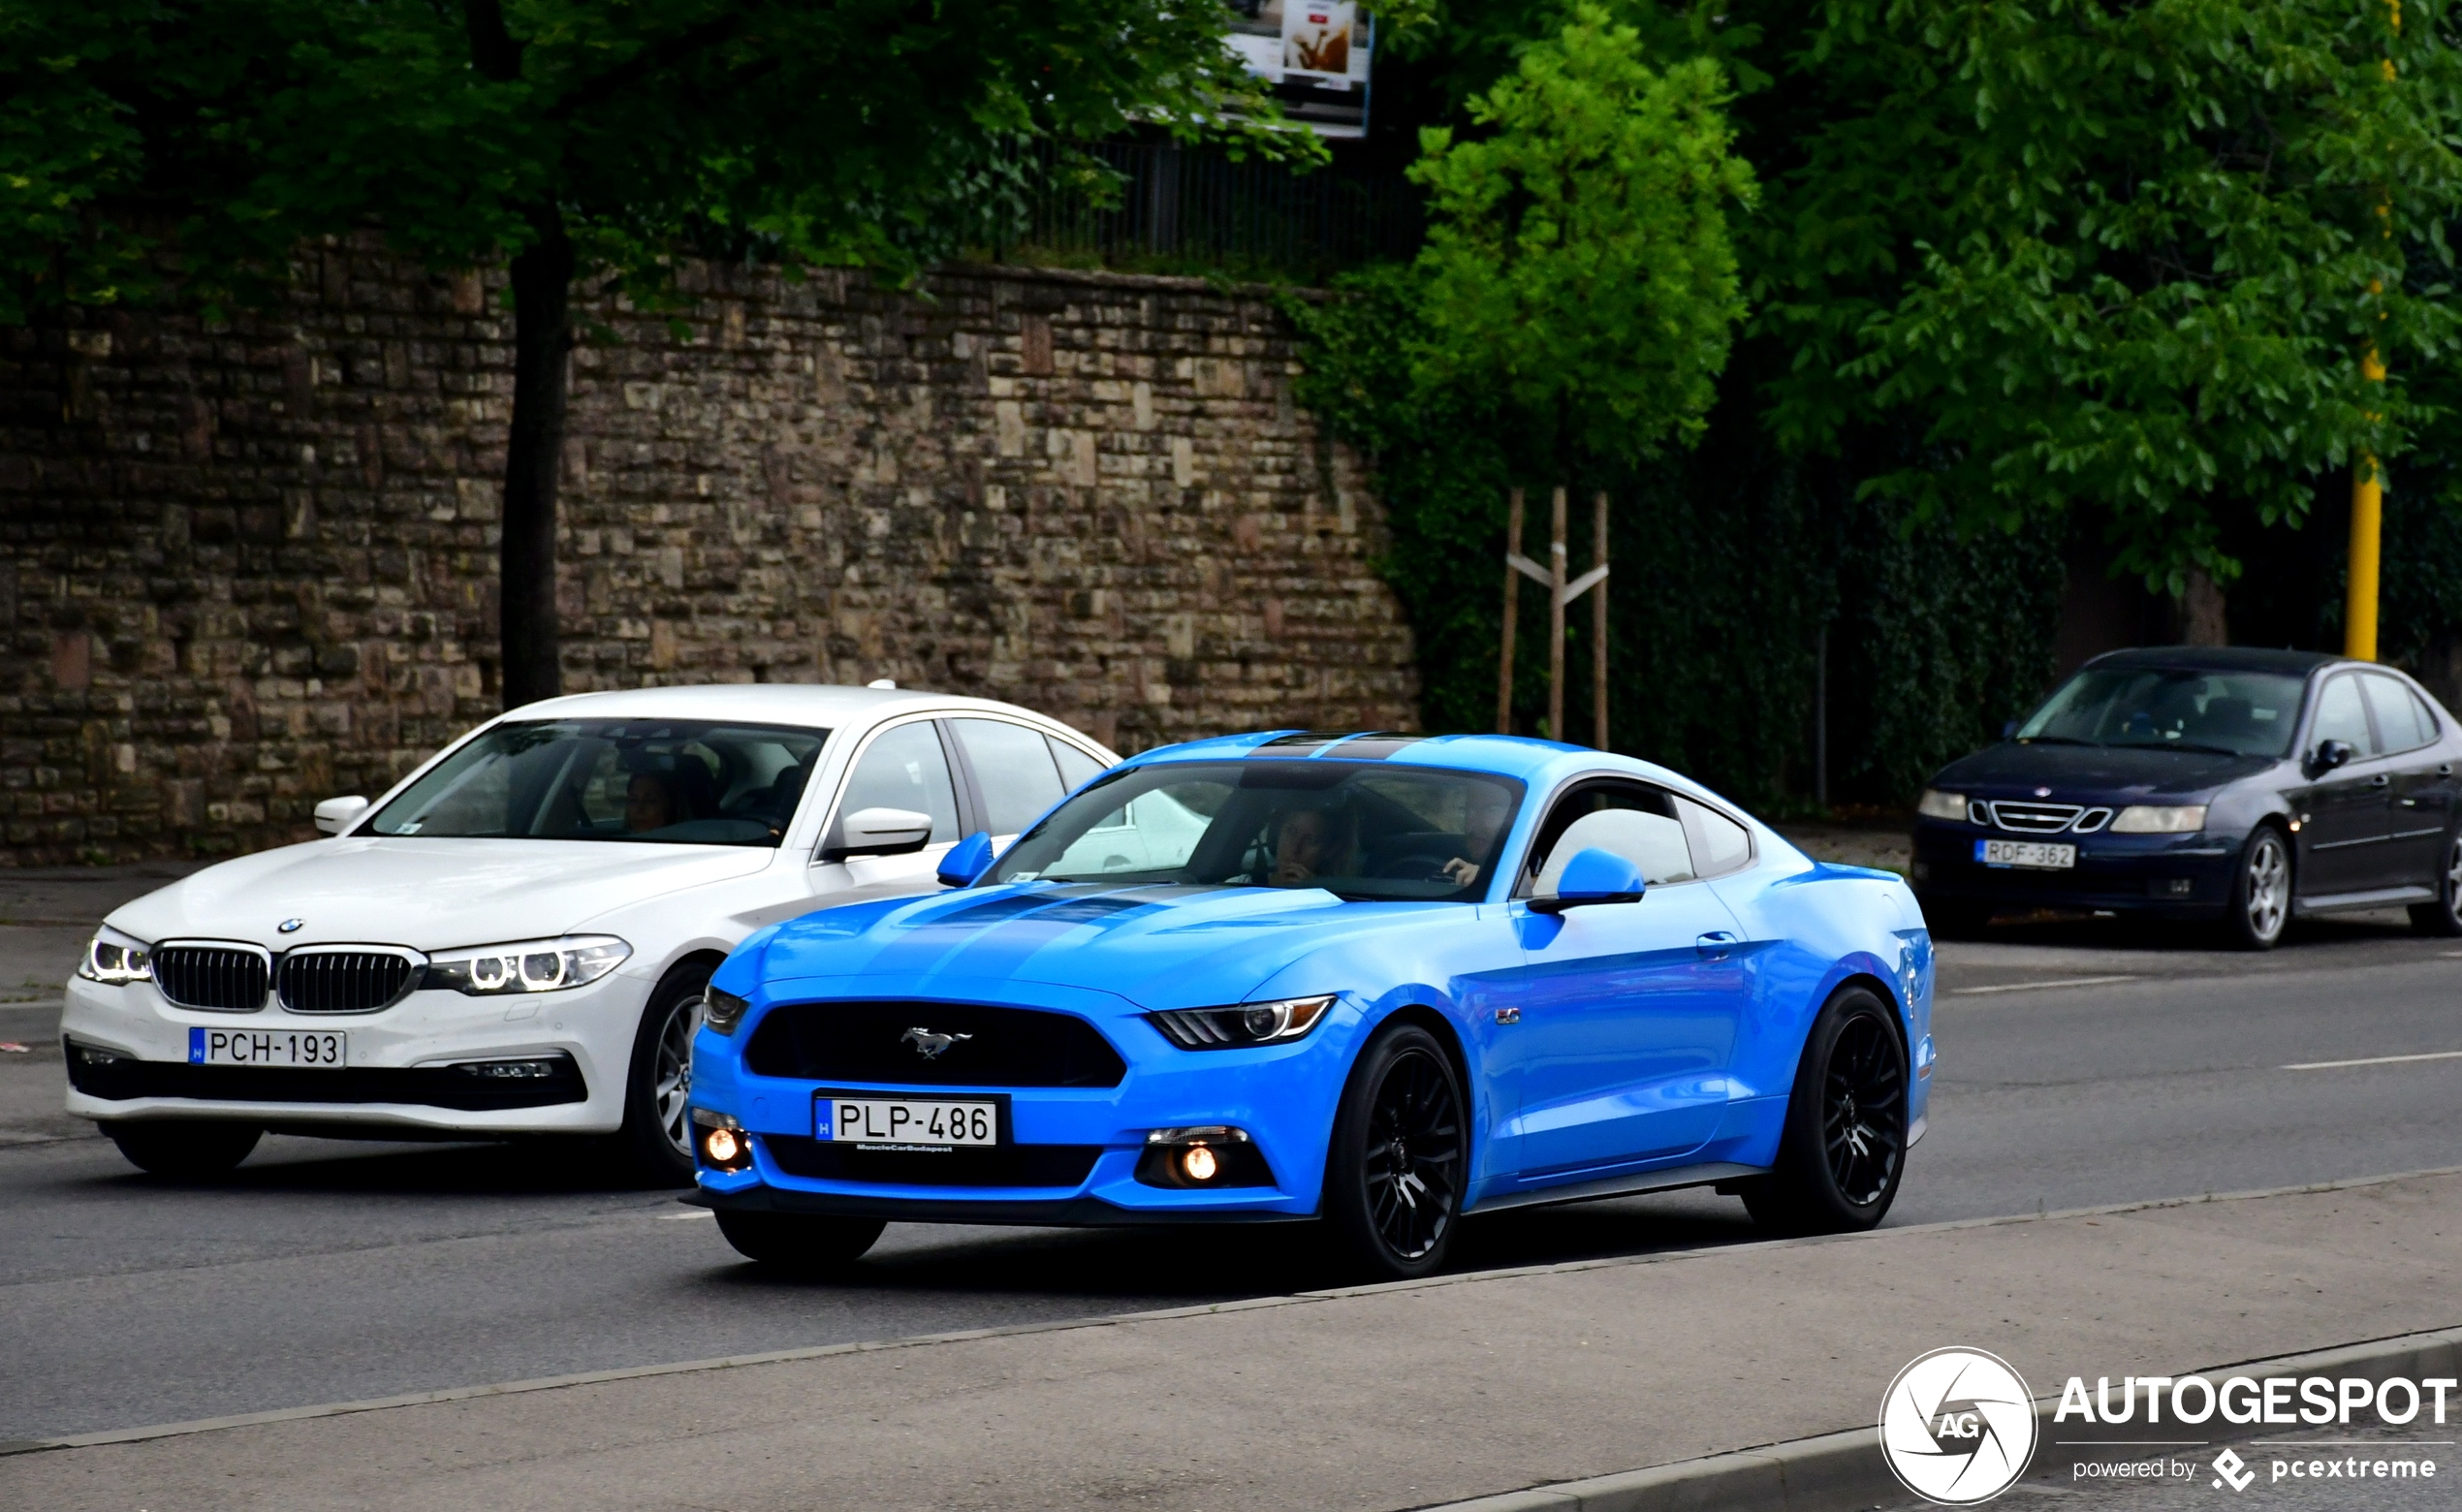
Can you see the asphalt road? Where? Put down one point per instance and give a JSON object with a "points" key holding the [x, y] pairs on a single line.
{"points": [[329, 1271]]}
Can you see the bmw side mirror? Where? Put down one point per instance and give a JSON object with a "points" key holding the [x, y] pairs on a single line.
{"points": [[2329, 755], [966, 861], [1592, 876], [881, 832], [336, 814]]}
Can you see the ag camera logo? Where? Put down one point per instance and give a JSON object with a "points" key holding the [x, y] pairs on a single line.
{"points": [[1958, 1426]]}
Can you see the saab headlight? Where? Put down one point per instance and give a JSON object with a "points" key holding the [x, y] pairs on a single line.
{"points": [[116, 958], [1244, 1025], [721, 1012], [1936, 804], [2150, 819], [526, 965]]}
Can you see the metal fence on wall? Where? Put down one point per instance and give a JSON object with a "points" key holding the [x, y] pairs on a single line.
{"points": [[1195, 207]]}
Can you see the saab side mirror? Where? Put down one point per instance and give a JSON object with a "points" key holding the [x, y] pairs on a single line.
{"points": [[336, 814], [2009, 729], [2329, 755], [1592, 876], [879, 832], [965, 861]]}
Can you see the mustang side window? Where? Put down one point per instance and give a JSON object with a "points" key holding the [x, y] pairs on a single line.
{"points": [[1720, 845], [1628, 819]]}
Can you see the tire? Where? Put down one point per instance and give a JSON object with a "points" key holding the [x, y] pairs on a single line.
{"points": [[2260, 906], [1401, 1155], [184, 1149], [1852, 1080], [1954, 918], [791, 1242], [2443, 917], [655, 1144]]}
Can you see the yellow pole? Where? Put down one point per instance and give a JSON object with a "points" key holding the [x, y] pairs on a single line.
{"points": [[2367, 480]]}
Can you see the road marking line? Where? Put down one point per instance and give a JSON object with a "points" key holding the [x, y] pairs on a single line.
{"points": [[2036, 986], [2375, 1060]]}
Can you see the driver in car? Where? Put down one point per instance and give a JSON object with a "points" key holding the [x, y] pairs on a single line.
{"points": [[648, 804], [1488, 806], [1309, 843]]}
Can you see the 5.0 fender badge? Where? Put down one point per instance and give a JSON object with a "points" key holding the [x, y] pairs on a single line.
{"points": [[290, 926]]}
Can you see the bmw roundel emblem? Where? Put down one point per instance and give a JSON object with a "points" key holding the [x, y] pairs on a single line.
{"points": [[290, 926]]}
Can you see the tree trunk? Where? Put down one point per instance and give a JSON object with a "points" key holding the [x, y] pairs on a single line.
{"points": [[534, 455], [2203, 613]]}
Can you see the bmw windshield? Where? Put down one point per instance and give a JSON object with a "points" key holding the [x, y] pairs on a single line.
{"points": [[655, 781], [1361, 831], [2230, 714]]}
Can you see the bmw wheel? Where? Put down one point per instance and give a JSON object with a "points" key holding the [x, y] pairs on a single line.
{"points": [[1394, 1184], [2444, 915], [658, 1135], [183, 1148], [2260, 892], [793, 1242], [1844, 1147]]}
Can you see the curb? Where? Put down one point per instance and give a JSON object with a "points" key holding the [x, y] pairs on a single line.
{"points": [[1845, 1472]]}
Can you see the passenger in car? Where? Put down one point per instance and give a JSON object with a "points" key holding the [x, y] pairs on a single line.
{"points": [[1310, 843]]}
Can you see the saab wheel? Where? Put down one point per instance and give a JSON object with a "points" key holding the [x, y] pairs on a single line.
{"points": [[1844, 1148], [2444, 915], [657, 1140], [789, 1242], [187, 1148], [1954, 918], [1402, 1146], [2260, 905]]}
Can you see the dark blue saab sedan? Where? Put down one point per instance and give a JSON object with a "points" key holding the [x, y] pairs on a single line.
{"points": [[2227, 785]]}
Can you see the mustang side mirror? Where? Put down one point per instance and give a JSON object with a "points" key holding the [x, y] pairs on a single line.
{"points": [[1592, 876], [334, 815], [2329, 755], [967, 859], [879, 832]]}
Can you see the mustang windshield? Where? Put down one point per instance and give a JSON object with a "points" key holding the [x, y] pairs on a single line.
{"points": [[1359, 830], [658, 782], [2239, 713]]}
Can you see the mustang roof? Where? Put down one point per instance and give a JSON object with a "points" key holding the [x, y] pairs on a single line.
{"points": [[1505, 755]]}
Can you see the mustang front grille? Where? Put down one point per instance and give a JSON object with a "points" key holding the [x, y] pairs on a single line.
{"points": [[343, 981], [219, 977], [932, 1045]]}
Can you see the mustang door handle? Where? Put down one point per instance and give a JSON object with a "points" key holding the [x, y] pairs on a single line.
{"points": [[1715, 944]]}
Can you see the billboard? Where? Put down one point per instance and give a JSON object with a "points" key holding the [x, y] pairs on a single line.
{"points": [[1316, 56]]}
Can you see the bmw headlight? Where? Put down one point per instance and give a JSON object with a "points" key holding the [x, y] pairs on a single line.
{"points": [[721, 1012], [1936, 804], [1245, 1025], [2154, 819], [526, 965], [116, 958]]}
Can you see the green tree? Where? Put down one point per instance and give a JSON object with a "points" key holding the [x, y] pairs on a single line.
{"points": [[597, 139], [2123, 253], [1578, 265]]}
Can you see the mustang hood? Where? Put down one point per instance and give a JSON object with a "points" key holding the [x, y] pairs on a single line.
{"points": [[1159, 947], [2080, 772], [428, 895]]}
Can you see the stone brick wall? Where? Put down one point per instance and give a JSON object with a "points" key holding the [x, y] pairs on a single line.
{"points": [[244, 567]]}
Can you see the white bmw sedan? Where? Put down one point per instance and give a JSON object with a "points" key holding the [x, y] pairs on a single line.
{"points": [[514, 939]]}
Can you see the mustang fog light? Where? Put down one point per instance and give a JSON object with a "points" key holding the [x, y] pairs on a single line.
{"points": [[1240, 1025], [1208, 1156], [722, 1142]]}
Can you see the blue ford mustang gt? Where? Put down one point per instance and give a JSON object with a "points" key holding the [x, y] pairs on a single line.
{"points": [[1378, 980]]}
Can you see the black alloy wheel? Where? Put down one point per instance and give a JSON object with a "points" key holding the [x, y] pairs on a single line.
{"points": [[184, 1149], [1401, 1150], [797, 1244], [657, 1140], [2260, 906], [2444, 915], [1844, 1148]]}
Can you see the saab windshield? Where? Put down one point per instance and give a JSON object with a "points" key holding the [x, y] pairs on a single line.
{"points": [[655, 781], [2237, 713], [1361, 831]]}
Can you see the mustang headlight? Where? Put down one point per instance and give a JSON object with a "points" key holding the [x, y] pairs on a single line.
{"points": [[1246, 1024], [721, 1012], [1936, 804], [526, 965], [116, 958], [2150, 819]]}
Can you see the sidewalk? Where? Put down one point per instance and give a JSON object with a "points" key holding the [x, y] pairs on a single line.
{"points": [[1380, 1398]]}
